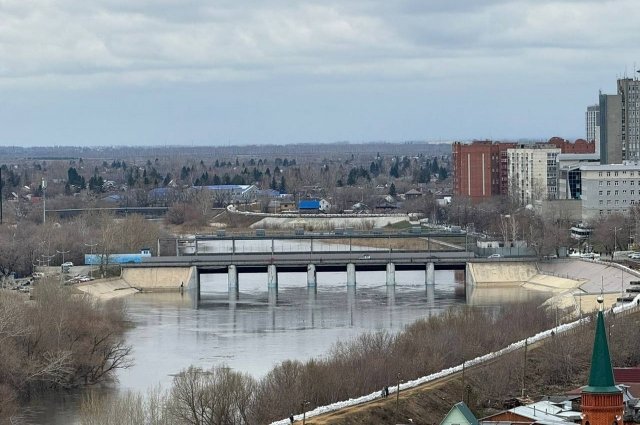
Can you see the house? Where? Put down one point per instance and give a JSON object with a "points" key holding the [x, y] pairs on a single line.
{"points": [[412, 194], [459, 415], [281, 205], [225, 193], [542, 412], [311, 206]]}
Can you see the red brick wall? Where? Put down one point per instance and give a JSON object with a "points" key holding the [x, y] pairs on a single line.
{"points": [[601, 409]]}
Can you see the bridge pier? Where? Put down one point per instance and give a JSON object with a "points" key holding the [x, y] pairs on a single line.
{"points": [[430, 274], [197, 285], [272, 276], [311, 275], [351, 274], [391, 274], [232, 277]]}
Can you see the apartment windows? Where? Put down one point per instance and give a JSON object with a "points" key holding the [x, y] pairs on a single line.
{"points": [[600, 193]]}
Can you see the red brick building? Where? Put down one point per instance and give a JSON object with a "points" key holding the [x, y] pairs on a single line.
{"points": [[480, 169], [579, 146]]}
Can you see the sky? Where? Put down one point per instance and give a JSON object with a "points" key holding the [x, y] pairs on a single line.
{"points": [[225, 72]]}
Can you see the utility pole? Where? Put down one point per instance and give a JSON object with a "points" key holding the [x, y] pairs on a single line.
{"points": [[463, 389], [524, 365], [44, 201], [398, 398], [1, 191]]}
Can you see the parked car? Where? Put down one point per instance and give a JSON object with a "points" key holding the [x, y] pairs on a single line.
{"points": [[365, 257], [495, 256], [634, 256]]}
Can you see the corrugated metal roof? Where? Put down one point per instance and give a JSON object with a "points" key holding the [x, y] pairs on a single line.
{"points": [[309, 205], [626, 375]]}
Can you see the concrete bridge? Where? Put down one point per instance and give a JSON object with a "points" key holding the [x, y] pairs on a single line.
{"points": [[171, 272]]}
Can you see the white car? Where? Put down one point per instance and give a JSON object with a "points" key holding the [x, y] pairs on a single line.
{"points": [[634, 255], [495, 256]]}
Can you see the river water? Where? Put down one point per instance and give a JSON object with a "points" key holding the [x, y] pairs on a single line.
{"points": [[259, 328]]}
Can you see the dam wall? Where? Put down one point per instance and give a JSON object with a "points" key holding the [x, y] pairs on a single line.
{"points": [[159, 278]]}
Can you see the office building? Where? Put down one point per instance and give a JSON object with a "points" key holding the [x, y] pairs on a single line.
{"points": [[569, 175], [609, 189]]}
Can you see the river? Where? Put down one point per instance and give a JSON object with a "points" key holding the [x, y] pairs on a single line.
{"points": [[261, 328]]}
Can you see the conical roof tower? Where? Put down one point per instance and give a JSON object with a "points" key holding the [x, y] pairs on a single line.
{"points": [[601, 399]]}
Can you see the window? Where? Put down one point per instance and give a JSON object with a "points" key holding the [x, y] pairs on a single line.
{"points": [[615, 193], [608, 193], [615, 183], [608, 183], [601, 202], [608, 173], [600, 174], [600, 192]]}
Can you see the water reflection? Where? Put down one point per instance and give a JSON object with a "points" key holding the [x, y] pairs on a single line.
{"points": [[251, 328]]}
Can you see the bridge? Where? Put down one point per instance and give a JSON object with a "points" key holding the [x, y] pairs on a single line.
{"points": [[233, 255]]}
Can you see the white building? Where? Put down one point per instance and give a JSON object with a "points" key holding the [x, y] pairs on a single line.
{"points": [[609, 189], [533, 173], [569, 176], [592, 124]]}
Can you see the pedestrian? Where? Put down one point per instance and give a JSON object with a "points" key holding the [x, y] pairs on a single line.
{"points": [[291, 418], [382, 393], [386, 391]]}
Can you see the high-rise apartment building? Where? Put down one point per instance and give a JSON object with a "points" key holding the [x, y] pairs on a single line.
{"points": [[610, 128], [619, 118], [629, 92], [592, 123], [480, 169], [533, 173]]}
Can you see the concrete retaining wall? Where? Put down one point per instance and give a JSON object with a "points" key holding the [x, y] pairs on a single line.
{"points": [[495, 274], [158, 278]]}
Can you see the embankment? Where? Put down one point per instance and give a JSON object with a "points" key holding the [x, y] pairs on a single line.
{"points": [[133, 280]]}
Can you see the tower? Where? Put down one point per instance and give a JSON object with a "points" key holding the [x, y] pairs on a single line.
{"points": [[601, 400]]}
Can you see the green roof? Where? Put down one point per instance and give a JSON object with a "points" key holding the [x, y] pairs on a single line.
{"points": [[465, 411], [601, 376]]}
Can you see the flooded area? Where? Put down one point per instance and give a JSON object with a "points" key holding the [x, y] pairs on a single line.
{"points": [[260, 328]]}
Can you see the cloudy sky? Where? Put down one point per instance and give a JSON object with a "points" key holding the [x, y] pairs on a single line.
{"points": [[140, 72]]}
